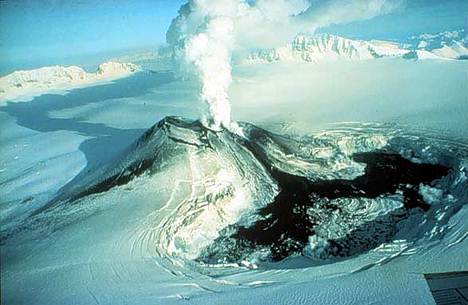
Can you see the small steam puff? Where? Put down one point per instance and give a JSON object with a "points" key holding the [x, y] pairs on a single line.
{"points": [[207, 32]]}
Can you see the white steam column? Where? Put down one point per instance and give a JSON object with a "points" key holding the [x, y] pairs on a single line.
{"points": [[206, 33], [210, 53]]}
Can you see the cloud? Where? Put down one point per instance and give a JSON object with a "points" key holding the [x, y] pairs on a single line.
{"points": [[323, 13]]}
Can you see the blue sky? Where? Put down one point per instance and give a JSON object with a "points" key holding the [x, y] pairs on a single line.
{"points": [[417, 17], [39, 32], [49, 31]]}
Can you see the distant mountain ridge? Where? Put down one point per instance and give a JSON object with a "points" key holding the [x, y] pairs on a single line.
{"points": [[326, 47], [431, 42], [37, 81], [448, 44]]}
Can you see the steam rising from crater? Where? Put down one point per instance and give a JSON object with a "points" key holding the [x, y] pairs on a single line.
{"points": [[207, 33], [210, 53]]}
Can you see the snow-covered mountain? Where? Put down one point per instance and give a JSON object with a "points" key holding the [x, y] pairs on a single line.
{"points": [[319, 48], [325, 48], [449, 44], [38, 81], [430, 41], [454, 50]]}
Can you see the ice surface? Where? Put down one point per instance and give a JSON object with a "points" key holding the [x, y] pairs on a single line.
{"points": [[108, 247]]}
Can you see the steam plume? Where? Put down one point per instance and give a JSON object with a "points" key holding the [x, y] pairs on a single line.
{"points": [[210, 53], [206, 33]]}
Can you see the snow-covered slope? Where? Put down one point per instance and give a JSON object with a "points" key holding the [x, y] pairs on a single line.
{"points": [[455, 50], [325, 48], [38, 81]]}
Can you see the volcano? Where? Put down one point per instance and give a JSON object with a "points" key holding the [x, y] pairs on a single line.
{"points": [[261, 191]]}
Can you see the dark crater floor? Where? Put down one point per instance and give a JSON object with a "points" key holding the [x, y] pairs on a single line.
{"points": [[285, 224]]}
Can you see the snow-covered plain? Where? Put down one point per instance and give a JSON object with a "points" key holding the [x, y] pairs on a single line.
{"points": [[114, 247]]}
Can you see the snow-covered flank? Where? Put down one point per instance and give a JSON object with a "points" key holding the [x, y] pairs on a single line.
{"points": [[319, 48], [455, 50], [38, 81], [422, 55], [111, 69], [388, 48]]}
